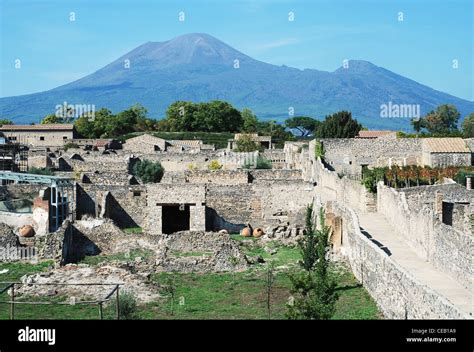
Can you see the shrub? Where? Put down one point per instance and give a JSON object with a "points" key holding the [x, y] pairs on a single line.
{"points": [[148, 171], [40, 171], [192, 167], [261, 163], [214, 165], [461, 176], [70, 145], [319, 150], [128, 306], [245, 144]]}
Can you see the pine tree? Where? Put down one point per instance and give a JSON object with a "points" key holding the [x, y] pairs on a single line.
{"points": [[314, 290]]}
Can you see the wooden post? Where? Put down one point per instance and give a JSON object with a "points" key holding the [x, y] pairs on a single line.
{"points": [[101, 315], [12, 304], [117, 300]]}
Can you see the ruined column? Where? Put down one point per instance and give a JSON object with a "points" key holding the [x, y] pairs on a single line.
{"points": [[154, 223], [468, 182], [197, 217], [439, 204]]}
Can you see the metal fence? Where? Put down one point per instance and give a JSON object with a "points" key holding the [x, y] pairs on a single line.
{"points": [[100, 302]]}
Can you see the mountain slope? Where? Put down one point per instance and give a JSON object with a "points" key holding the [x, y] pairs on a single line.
{"points": [[199, 67]]}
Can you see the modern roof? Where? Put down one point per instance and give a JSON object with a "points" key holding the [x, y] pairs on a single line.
{"points": [[445, 145], [374, 134], [39, 127]]}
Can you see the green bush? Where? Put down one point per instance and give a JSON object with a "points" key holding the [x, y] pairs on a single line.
{"points": [[128, 306], [40, 171], [70, 145], [246, 144], [214, 165], [262, 163], [461, 176], [319, 150], [148, 171]]}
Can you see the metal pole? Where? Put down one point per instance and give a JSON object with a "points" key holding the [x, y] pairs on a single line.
{"points": [[12, 304], [117, 300], [101, 315]]}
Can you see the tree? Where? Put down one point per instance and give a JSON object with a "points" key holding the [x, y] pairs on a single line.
{"points": [[245, 144], [305, 125], [468, 126], [418, 124], [214, 116], [278, 132], [250, 121], [51, 118], [5, 122], [442, 121], [307, 244], [338, 125], [315, 291], [148, 171], [96, 126]]}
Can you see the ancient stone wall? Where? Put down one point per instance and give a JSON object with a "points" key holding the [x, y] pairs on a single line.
{"points": [[419, 224], [218, 176], [449, 159], [125, 205], [343, 189], [275, 175], [267, 203], [397, 293], [347, 155]]}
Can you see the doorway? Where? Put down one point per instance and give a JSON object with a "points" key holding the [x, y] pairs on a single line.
{"points": [[175, 218]]}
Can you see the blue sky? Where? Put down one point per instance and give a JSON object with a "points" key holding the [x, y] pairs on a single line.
{"points": [[54, 51]]}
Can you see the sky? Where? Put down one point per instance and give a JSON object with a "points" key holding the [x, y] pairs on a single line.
{"points": [[430, 42]]}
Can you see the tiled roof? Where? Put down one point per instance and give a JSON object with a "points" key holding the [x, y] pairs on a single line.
{"points": [[39, 127], [445, 145], [186, 142], [254, 136], [373, 134]]}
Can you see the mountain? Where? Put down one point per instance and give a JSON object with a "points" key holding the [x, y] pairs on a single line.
{"points": [[199, 67]]}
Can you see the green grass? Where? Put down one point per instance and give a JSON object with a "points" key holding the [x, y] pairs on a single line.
{"points": [[190, 254], [239, 295], [133, 230]]}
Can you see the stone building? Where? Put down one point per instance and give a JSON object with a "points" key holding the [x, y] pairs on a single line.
{"points": [[145, 144], [48, 135], [349, 155], [263, 141], [376, 134], [442, 152], [148, 144]]}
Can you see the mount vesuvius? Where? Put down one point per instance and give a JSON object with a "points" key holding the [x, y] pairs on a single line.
{"points": [[199, 67]]}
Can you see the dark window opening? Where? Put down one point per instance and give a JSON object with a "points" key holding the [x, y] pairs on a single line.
{"points": [[137, 193], [41, 138], [174, 219]]}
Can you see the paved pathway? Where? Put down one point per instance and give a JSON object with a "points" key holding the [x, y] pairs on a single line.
{"points": [[376, 226]]}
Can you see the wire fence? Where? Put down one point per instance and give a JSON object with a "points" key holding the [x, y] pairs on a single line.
{"points": [[11, 288]]}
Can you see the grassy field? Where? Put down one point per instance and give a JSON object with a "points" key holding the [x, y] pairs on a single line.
{"points": [[240, 295]]}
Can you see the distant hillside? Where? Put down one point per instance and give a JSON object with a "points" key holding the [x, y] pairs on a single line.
{"points": [[199, 67]]}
